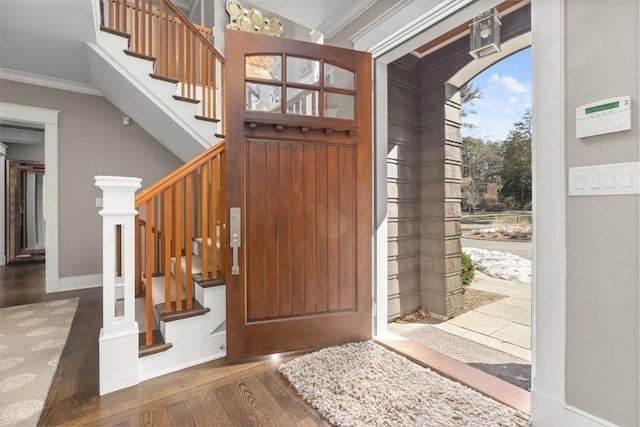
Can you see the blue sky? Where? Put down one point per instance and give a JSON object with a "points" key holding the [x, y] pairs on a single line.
{"points": [[506, 94]]}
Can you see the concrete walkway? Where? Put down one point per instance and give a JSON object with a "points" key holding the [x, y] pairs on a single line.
{"points": [[504, 325]]}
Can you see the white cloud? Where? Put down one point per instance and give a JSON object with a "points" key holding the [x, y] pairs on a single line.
{"points": [[513, 100], [510, 83]]}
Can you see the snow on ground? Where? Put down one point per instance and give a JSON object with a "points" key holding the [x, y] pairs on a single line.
{"points": [[502, 265]]}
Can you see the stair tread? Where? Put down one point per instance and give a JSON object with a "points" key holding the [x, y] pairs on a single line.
{"points": [[139, 55], [207, 119], [158, 345], [158, 294], [196, 264], [195, 310], [209, 283], [114, 32], [186, 99], [163, 78]]}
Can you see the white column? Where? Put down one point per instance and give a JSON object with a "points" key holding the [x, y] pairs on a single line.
{"points": [[3, 159], [119, 335]]}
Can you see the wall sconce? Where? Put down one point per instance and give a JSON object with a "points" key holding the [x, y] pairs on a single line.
{"points": [[485, 34], [252, 21]]}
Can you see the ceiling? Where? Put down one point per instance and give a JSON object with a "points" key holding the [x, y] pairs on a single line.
{"points": [[313, 14], [48, 38]]}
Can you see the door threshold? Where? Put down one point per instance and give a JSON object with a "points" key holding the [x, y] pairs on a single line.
{"points": [[455, 370]]}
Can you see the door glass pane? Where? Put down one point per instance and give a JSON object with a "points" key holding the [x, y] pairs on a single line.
{"points": [[261, 97], [302, 101], [335, 76], [303, 70], [268, 67], [339, 105]]}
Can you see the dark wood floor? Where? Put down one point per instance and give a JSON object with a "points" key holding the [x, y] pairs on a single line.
{"points": [[215, 393]]}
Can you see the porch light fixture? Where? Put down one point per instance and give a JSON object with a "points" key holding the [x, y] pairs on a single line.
{"points": [[252, 21], [485, 34]]}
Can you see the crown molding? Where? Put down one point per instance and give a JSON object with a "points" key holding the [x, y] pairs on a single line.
{"points": [[344, 17], [411, 28], [52, 82]]}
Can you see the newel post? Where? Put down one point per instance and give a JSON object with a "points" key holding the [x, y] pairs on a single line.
{"points": [[119, 334]]}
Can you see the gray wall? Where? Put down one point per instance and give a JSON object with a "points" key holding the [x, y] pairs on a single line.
{"points": [[403, 187], [602, 232], [91, 141]]}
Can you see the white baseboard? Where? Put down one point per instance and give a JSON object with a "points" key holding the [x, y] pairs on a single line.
{"points": [[547, 411], [79, 282]]}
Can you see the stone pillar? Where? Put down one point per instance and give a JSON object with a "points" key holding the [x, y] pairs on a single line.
{"points": [[119, 335], [441, 284]]}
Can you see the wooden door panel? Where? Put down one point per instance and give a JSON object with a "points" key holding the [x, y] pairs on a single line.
{"points": [[294, 245], [304, 185]]}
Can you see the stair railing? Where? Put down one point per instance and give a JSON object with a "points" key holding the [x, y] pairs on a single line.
{"points": [[182, 50], [185, 205]]}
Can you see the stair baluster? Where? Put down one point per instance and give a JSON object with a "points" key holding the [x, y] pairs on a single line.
{"points": [[171, 213], [182, 50]]}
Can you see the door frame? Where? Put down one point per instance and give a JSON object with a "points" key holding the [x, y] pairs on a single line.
{"points": [[49, 119], [396, 34], [17, 202]]}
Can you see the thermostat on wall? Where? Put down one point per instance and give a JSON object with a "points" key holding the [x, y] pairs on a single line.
{"points": [[605, 116]]}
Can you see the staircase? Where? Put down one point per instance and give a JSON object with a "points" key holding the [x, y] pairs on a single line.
{"points": [[163, 261], [163, 271], [161, 70]]}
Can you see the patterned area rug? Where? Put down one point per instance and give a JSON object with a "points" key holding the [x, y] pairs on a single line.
{"points": [[363, 384], [32, 338], [510, 368]]}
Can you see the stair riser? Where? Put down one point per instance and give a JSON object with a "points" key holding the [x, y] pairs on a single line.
{"points": [[192, 338], [181, 356], [215, 299]]}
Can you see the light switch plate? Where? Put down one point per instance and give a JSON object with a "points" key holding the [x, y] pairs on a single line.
{"points": [[613, 179]]}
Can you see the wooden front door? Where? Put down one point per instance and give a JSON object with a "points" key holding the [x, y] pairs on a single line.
{"points": [[299, 153]]}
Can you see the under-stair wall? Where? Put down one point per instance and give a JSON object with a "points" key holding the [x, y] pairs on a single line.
{"points": [[179, 106]]}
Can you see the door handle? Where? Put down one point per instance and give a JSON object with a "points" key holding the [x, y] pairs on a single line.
{"points": [[235, 238]]}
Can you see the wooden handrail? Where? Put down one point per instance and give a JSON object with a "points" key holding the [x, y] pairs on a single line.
{"points": [[181, 49], [184, 205], [178, 174], [193, 27]]}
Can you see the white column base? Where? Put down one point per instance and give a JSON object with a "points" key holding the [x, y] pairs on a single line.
{"points": [[118, 360]]}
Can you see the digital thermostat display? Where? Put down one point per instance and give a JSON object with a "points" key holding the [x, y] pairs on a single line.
{"points": [[604, 116], [602, 107]]}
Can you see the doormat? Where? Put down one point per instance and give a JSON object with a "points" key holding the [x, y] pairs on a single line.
{"points": [[505, 366], [32, 338], [364, 384]]}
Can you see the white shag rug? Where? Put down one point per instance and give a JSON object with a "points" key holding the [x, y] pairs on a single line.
{"points": [[32, 338], [363, 384]]}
